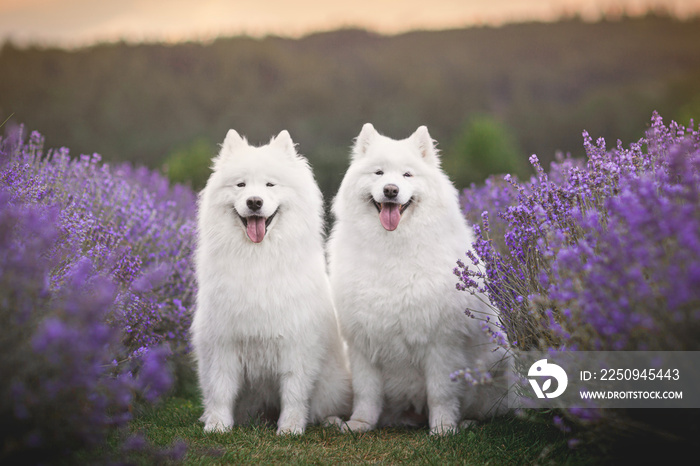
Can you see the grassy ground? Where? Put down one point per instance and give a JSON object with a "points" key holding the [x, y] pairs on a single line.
{"points": [[503, 441]]}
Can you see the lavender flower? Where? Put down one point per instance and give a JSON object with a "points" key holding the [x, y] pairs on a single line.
{"points": [[128, 222], [601, 255], [95, 279], [595, 257]]}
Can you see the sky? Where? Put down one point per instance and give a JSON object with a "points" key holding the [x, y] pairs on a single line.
{"points": [[73, 23]]}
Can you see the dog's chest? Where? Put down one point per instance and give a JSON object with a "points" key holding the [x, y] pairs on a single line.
{"points": [[400, 305]]}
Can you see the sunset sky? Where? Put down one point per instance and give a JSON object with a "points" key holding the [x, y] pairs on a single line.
{"points": [[81, 22]]}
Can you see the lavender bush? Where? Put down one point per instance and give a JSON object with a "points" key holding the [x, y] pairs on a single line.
{"points": [[95, 280], [128, 222], [602, 254]]}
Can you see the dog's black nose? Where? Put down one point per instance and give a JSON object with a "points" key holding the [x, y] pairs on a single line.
{"points": [[254, 203], [391, 191]]}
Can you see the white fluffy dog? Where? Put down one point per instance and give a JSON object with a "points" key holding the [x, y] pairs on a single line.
{"points": [[397, 236], [265, 334]]}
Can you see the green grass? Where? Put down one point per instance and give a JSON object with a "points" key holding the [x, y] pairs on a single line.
{"points": [[504, 441]]}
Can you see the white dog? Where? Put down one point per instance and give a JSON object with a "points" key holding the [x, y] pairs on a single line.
{"points": [[265, 333], [397, 236]]}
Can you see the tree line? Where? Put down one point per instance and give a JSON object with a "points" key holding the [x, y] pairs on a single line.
{"points": [[491, 96]]}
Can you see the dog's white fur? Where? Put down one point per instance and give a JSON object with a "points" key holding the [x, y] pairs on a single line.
{"points": [[265, 333], [395, 292]]}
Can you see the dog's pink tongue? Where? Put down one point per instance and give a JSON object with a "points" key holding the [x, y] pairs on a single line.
{"points": [[256, 229], [390, 216]]}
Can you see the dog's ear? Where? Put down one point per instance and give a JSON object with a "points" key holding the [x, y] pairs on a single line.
{"points": [[233, 141], [426, 145], [362, 142], [284, 142]]}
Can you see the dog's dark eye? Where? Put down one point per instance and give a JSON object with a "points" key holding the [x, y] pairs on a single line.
{"points": [[269, 185], [241, 185], [407, 175], [379, 172]]}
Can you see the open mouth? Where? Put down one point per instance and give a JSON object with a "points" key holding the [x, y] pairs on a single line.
{"points": [[256, 226], [390, 213]]}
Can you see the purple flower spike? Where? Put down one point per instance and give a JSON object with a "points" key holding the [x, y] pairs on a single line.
{"points": [[600, 254], [96, 279]]}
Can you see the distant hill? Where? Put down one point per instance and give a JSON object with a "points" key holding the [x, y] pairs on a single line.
{"points": [[544, 82]]}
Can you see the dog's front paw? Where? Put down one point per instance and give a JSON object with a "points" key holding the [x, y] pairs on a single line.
{"points": [[356, 426], [291, 422], [291, 429], [444, 429], [217, 426]]}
